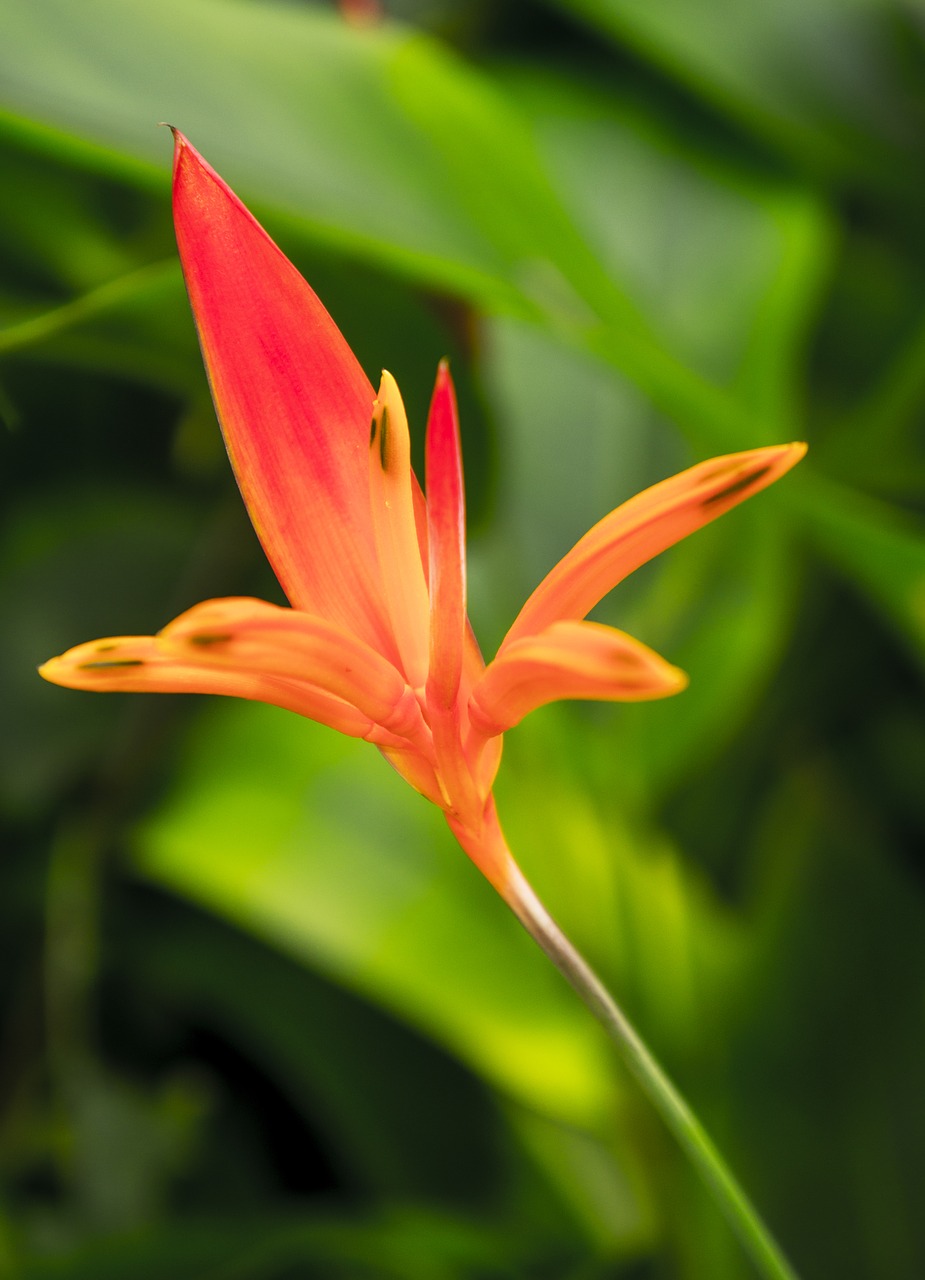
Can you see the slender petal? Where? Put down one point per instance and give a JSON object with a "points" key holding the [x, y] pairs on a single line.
{"points": [[293, 402], [569, 660], [645, 526], [246, 647], [144, 664], [391, 500], [446, 527], [451, 643]]}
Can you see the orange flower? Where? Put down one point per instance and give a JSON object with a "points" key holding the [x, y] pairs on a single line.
{"points": [[377, 642]]}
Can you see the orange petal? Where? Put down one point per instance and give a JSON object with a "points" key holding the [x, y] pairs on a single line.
{"points": [[568, 660], [391, 497], [292, 400], [138, 664], [446, 527], [250, 649], [645, 526]]}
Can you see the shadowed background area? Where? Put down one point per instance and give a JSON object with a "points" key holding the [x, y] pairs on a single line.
{"points": [[259, 1018]]}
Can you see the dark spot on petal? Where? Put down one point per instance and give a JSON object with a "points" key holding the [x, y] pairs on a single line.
{"points": [[206, 639], [373, 427], [112, 662], [629, 661], [106, 648], [738, 486], [384, 439]]}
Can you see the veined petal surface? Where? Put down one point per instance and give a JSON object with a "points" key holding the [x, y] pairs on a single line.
{"points": [[645, 526], [292, 400], [568, 660]]}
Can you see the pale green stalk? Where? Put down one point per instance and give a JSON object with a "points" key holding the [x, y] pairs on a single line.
{"points": [[672, 1107]]}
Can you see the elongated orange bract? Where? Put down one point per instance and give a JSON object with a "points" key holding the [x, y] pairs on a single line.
{"points": [[377, 643]]}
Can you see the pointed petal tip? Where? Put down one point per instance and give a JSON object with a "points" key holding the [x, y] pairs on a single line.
{"points": [[61, 670], [180, 141], [676, 681], [646, 525], [790, 454], [387, 386], [293, 401], [444, 386], [89, 665]]}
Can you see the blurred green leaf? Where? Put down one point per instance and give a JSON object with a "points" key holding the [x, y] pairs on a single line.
{"points": [[59, 229], [881, 552], [824, 81], [462, 199], [725, 261], [305, 839], [722, 608], [74, 561], [127, 325], [877, 442], [378, 1093], [595, 224], [407, 1244], [720, 605], [376, 138], [835, 960]]}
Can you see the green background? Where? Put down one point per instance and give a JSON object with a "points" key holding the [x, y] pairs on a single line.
{"points": [[259, 1018]]}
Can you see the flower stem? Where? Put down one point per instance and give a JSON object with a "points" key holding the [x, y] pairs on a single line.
{"points": [[672, 1107]]}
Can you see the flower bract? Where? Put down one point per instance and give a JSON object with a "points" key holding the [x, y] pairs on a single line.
{"points": [[377, 642]]}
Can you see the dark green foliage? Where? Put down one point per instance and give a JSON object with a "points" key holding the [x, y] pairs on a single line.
{"points": [[259, 1019]]}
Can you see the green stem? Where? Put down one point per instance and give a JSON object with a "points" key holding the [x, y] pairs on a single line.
{"points": [[677, 1115]]}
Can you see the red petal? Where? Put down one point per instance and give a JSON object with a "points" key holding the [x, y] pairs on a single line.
{"points": [[292, 400], [446, 528], [645, 526]]}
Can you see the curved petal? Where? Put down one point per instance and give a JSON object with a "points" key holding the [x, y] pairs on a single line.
{"points": [[142, 664], [645, 526], [251, 634], [569, 660], [292, 400], [251, 649]]}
